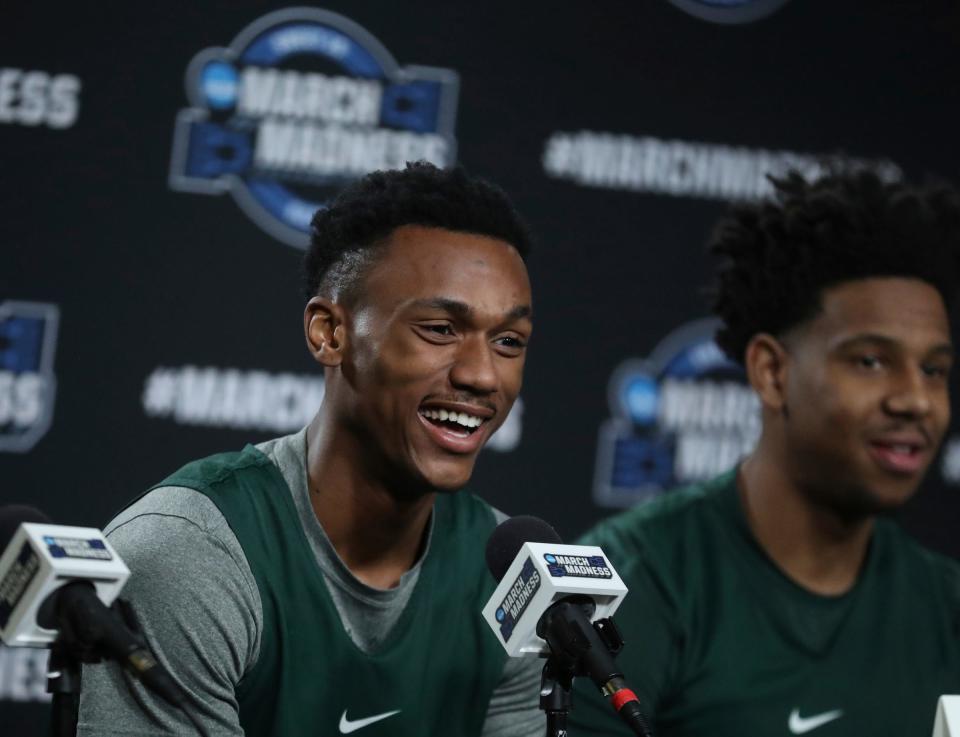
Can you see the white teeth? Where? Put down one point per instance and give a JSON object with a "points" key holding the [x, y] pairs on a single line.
{"points": [[461, 418], [906, 449]]}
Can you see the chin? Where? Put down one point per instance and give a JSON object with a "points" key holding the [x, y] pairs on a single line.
{"points": [[450, 484], [890, 501], [448, 476], [877, 499]]}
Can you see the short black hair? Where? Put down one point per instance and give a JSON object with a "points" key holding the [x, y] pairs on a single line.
{"points": [[777, 257], [345, 235]]}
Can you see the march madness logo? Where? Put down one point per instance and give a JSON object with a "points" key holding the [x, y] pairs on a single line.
{"points": [[518, 598], [28, 340], [301, 102], [577, 566], [682, 415]]}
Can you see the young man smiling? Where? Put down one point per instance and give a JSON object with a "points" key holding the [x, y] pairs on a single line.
{"points": [[777, 599], [330, 581]]}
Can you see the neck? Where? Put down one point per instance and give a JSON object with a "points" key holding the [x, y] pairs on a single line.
{"points": [[817, 547], [377, 534]]}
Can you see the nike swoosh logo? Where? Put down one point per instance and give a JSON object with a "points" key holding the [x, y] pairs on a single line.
{"points": [[347, 726], [802, 725]]}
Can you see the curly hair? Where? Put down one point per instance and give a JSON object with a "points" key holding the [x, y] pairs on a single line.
{"points": [[777, 257], [345, 235]]}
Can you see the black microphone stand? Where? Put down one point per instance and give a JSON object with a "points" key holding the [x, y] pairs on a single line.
{"points": [[556, 696], [579, 648], [63, 681], [72, 647]]}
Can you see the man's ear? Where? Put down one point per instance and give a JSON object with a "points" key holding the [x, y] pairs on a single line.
{"points": [[324, 325], [766, 360]]}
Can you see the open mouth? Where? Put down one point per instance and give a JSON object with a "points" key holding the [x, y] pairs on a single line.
{"points": [[899, 457], [460, 424]]}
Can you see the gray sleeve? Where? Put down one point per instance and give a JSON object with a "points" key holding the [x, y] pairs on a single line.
{"points": [[514, 709], [199, 607]]}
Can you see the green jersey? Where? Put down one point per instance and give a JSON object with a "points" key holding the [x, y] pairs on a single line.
{"points": [[720, 642], [436, 672]]}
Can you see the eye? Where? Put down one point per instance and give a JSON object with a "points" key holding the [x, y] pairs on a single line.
{"points": [[869, 361], [936, 370], [435, 332], [511, 345]]}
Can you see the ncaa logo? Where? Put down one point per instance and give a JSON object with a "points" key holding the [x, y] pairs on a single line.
{"points": [[685, 414], [729, 11], [28, 340], [301, 102]]}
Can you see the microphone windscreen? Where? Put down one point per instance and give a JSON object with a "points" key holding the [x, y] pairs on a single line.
{"points": [[11, 517], [510, 535]]}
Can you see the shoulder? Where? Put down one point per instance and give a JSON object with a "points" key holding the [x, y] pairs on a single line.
{"points": [[184, 558], [193, 509], [917, 564], [172, 515], [218, 469], [679, 518], [199, 609], [173, 531], [668, 549]]}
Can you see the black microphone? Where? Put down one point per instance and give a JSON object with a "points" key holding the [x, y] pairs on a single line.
{"points": [[12, 516], [45, 594], [577, 644], [509, 536]]}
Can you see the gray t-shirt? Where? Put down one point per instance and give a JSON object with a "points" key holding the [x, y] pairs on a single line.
{"points": [[200, 609]]}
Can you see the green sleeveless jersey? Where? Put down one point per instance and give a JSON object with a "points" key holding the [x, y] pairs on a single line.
{"points": [[720, 642], [436, 673]]}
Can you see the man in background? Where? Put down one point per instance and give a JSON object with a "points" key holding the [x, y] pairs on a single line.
{"points": [[331, 581], [778, 599]]}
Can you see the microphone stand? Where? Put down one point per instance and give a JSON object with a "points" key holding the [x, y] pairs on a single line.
{"points": [[74, 645], [63, 681], [556, 696], [579, 648]]}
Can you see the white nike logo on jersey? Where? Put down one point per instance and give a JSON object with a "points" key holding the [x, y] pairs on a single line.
{"points": [[802, 725], [347, 726]]}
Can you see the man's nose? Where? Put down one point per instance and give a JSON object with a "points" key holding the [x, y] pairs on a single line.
{"points": [[475, 368], [909, 393]]}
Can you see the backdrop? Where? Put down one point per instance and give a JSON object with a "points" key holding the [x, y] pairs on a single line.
{"points": [[159, 163]]}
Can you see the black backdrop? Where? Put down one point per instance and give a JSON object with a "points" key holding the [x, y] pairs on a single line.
{"points": [[147, 280]]}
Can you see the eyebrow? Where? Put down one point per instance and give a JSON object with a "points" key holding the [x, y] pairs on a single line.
{"points": [[463, 310], [885, 340]]}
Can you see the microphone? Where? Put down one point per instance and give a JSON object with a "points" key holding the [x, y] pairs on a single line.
{"points": [[556, 601], [59, 585], [536, 570]]}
